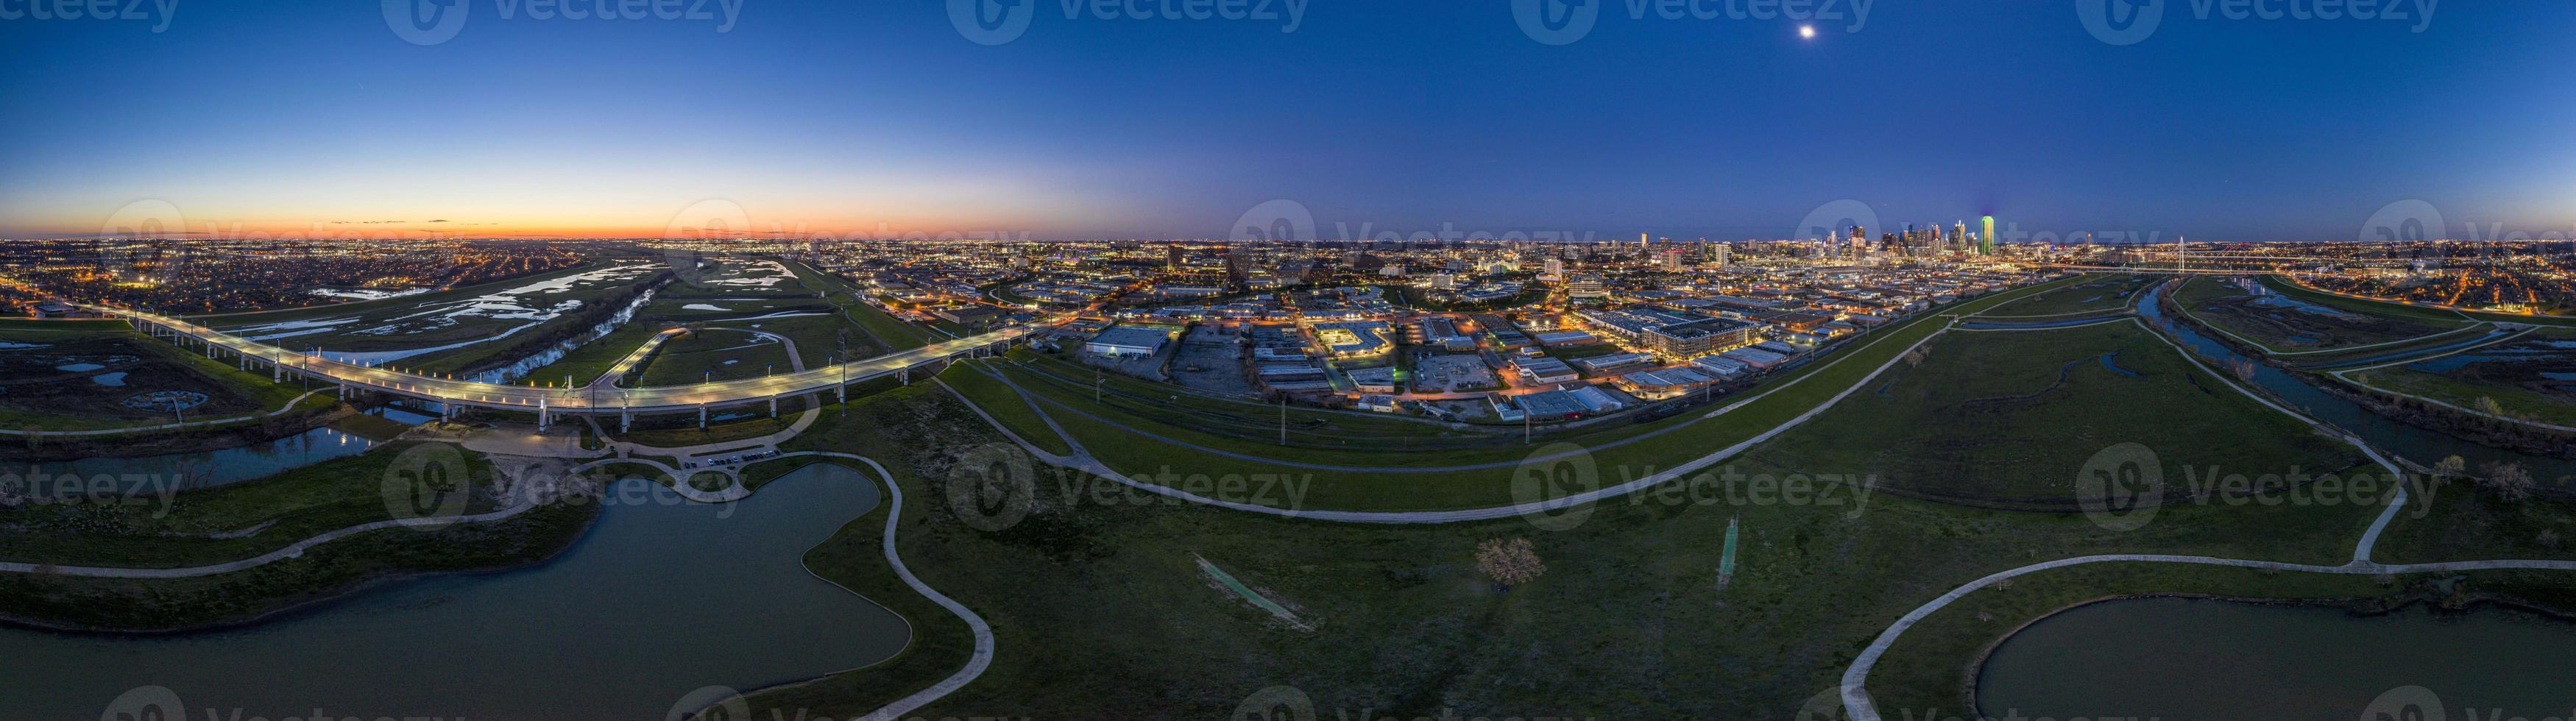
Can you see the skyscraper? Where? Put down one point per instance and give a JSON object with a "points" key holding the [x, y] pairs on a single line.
{"points": [[1959, 236], [1986, 240]]}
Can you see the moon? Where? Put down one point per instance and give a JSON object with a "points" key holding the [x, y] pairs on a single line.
{"points": [[1807, 32]]}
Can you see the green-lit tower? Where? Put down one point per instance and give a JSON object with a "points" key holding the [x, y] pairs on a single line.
{"points": [[1986, 240]]}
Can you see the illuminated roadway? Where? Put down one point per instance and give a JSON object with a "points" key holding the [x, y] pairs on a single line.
{"points": [[571, 400]]}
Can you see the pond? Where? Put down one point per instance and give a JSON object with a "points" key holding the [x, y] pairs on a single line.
{"points": [[2184, 659], [659, 599]]}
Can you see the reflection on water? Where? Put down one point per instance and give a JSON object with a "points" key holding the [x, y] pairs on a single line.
{"points": [[659, 599], [201, 469], [2189, 659], [522, 367], [2415, 444]]}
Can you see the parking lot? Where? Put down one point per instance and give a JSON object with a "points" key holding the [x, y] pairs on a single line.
{"points": [[1211, 361], [1453, 373]]}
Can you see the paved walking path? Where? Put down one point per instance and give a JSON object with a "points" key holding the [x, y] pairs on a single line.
{"points": [[1084, 461], [290, 405], [293, 550], [1858, 705], [1088, 416]]}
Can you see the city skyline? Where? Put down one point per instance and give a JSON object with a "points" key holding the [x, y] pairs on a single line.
{"points": [[2226, 130]]}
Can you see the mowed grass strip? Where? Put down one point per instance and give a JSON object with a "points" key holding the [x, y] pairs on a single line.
{"points": [[2096, 293], [2011, 419]]}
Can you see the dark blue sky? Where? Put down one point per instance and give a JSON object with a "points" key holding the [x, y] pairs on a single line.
{"points": [[869, 116]]}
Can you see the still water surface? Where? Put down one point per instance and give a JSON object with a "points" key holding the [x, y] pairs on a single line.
{"points": [[655, 601]]}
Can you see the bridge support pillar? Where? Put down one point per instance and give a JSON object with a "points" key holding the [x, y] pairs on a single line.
{"points": [[702, 417], [840, 394], [907, 375], [773, 406], [625, 420], [543, 416]]}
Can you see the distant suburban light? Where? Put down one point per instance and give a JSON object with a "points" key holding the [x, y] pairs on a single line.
{"points": [[1807, 31]]}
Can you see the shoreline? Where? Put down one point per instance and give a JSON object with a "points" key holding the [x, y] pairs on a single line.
{"points": [[1973, 671], [307, 603]]}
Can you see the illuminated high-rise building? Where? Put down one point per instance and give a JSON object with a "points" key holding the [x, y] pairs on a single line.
{"points": [[1986, 240]]}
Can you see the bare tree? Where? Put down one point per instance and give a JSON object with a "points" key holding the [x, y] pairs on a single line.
{"points": [[1509, 562], [2508, 480]]}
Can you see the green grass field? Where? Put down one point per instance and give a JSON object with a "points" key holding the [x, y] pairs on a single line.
{"points": [[2314, 322], [2519, 387], [295, 505], [2010, 419], [588, 361], [713, 354], [1624, 623], [2097, 293]]}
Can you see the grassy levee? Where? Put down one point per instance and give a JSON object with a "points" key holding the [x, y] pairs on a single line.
{"points": [[1308, 426], [195, 530], [890, 333], [2518, 401], [1627, 621], [1004, 405], [2013, 419], [2382, 307], [1638, 447], [587, 362], [188, 527], [64, 325], [2091, 293], [2225, 309], [2339, 301]]}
